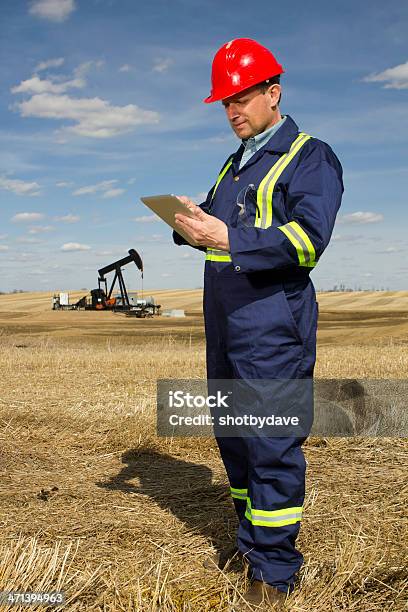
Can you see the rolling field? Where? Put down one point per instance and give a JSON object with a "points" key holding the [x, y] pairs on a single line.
{"points": [[95, 504], [345, 318]]}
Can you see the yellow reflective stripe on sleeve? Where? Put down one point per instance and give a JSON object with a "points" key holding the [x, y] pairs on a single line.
{"points": [[214, 255], [265, 190], [273, 518], [302, 243], [221, 176], [239, 493]]}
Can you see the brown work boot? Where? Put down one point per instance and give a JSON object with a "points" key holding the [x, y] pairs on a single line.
{"points": [[260, 596], [219, 560]]}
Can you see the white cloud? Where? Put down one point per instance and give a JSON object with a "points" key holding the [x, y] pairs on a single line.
{"points": [[162, 64], [21, 188], [40, 229], [131, 181], [52, 63], [28, 240], [395, 78], [75, 246], [64, 184], [56, 84], [222, 138], [146, 219], [3, 236], [68, 218], [53, 10], [348, 238], [391, 249], [93, 117], [3, 247], [27, 217], [38, 272], [23, 257], [191, 255], [113, 193], [82, 70], [125, 68], [110, 252], [35, 85], [101, 187], [359, 217]]}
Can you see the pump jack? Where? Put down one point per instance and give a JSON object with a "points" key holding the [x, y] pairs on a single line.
{"points": [[102, 299]]}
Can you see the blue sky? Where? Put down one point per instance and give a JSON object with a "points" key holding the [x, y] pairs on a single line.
{"points": [[102, 103]]}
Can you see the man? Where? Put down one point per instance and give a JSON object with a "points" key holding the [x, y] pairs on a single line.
{"points": [[264, 225]]}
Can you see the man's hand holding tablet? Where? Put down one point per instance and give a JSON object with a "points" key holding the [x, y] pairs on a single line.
{"points": [[190, 221], [203, 229]]}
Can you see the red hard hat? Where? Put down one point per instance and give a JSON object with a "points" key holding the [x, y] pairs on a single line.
{"points": [[239, 64]]}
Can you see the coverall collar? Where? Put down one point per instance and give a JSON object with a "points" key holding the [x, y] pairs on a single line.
{"points": [[282, 139], [279, 143], [253, 144]]}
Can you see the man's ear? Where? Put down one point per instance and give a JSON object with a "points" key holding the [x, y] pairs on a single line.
{"points": [[275, 92]]}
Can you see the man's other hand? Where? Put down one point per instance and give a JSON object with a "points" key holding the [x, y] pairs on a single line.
{"points": [[204, 229]]}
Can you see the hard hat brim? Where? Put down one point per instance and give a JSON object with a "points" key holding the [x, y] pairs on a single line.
{"points": [[227, 94]]}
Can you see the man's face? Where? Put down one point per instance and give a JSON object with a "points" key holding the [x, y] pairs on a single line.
{"points": [[252, 111]]}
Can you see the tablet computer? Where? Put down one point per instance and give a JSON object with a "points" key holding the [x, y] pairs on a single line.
{"points": [[165, 207]]}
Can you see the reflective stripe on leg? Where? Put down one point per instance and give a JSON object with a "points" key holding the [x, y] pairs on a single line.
{"points": [[239, 493], [273, 518]]}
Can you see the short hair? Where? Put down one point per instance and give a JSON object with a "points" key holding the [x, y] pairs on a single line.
{"points": [[275, 80]]}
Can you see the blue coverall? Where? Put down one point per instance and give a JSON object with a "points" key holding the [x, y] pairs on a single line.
{"points": [[261, 315]]}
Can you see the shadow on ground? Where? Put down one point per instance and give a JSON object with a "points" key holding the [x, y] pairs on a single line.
{"points": [[183, 488]]}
